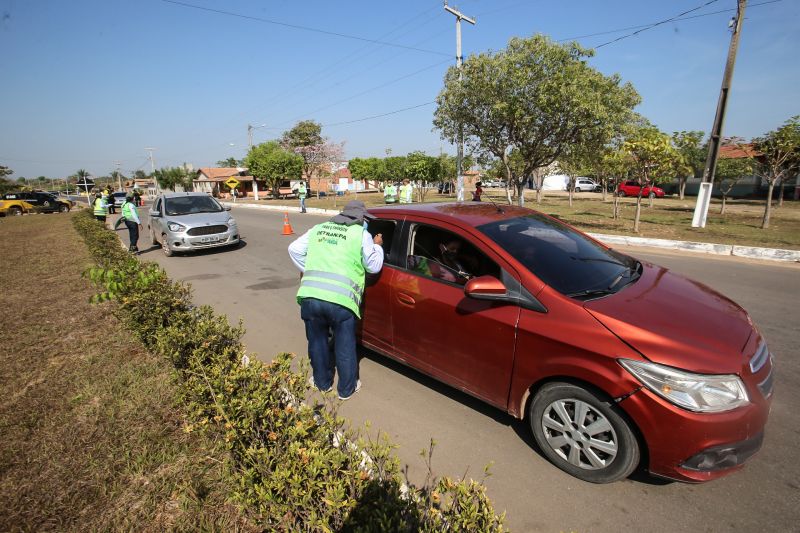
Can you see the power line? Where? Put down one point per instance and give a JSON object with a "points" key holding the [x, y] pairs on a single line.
{"points": [[382, 85], [304, 28], [659, 23], [653, 23], [378, 116]]}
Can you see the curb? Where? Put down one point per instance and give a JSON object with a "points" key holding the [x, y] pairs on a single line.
{"points": [[750, 252]]}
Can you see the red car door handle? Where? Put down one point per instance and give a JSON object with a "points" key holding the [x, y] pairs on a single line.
{"points": [[406, 299]]}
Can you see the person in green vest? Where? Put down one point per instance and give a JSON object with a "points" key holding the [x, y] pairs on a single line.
{"points": [[390, 193], [108, 196], [406, 192], [302, 192], [334, 257], [99, 207], [131, 217]]}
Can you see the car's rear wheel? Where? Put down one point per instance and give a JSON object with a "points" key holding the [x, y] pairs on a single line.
{"points": [[63, 209], [621, 194], [651, 195], [583, 433], [165, 246], [15, 211]]}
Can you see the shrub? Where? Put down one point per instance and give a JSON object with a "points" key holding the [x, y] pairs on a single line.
{"points": [[295, 464]]}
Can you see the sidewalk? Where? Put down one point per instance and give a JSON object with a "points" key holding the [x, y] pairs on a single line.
{"points": [[750, 252]]}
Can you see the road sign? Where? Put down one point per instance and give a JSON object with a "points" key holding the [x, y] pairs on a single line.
{"points": [[232, 182]]}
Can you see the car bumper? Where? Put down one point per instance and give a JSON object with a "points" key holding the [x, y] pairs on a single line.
{"points": [[182, 242], [696, 447]]}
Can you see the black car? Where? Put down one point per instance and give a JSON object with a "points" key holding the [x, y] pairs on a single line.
{"points": [[43, 202]]}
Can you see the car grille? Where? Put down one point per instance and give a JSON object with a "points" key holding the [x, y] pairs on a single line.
{"points": [[207, 230]]}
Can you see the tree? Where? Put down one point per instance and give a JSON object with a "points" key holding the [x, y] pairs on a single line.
{"points": [[317, 152], [577, 161], [231, 162], [780, 155], [273, 163], [369, 169], [395, 168], [171, 177], [615, 165], [652, 159], [728, 173], [140, 175], [537, 97], [693, 150], [5, 171], [422, 169]]}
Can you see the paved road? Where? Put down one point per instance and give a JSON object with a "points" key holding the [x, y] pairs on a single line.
{"points": [[257, 283]]}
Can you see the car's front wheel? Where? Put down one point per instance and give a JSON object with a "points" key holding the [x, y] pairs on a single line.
{"points": [[15, 211], [583, 433], [165, 246], [63, 209]]}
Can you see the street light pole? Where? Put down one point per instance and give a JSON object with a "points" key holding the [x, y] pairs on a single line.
{"points": [[460, 149], [250, 129], [153, 169], [119, 175], [704, 194]]}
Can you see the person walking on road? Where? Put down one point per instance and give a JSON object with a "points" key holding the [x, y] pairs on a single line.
{"points": [[302, 192], [100, 207], [132, 222], [137, 198], [406, 192], [390, 193], [334, 257]]}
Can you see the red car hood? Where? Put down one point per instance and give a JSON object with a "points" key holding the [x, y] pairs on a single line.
{"points": [[678, 322]]}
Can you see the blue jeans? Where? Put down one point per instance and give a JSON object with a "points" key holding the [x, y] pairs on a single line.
{"points": [[302, 205], [320, 317]]}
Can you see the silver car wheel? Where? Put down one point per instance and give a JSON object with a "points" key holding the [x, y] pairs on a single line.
{"points": [[579, 434]]}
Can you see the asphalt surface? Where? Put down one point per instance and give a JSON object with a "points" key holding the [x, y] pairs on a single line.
{"points": [[257, 283]]}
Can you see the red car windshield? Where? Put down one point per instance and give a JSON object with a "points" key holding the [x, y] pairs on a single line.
{"points": [[561, 257]]}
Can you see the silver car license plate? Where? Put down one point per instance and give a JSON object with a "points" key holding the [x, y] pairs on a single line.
{"points": [[212, 238]]}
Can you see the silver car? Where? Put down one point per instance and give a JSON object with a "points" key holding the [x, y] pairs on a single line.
{"points": [[184, 222]]}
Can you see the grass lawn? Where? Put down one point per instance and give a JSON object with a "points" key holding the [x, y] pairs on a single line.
{"points": [[669, 218], [92, 429]]}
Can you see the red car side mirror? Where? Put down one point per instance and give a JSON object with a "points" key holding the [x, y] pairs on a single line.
{"points": [[485, 288]]}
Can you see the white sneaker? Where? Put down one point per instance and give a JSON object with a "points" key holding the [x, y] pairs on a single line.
{"points": [[314, 385], [358, 388]]}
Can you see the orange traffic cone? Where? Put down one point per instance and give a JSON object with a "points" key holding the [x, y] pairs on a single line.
{"points": [[287, 228]]}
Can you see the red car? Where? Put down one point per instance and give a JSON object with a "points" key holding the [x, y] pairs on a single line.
{"points": [[631, 188], [613, 361]]}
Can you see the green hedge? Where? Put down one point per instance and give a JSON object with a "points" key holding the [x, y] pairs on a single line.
{"points": [[296, 464]]}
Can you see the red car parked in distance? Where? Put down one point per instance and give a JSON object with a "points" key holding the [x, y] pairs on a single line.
{"points": [[631, 188], [614, 362]]}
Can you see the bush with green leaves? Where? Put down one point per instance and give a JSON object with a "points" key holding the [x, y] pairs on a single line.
{"points": [[296, 464]]}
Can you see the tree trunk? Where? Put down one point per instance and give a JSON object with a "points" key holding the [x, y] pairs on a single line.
{"points": [[724, 201], [681, 187], [780, 194], [638, 212], [768, 208], [521, 193], [571, 191], [650, 199], [604, 185], [615, 207]]}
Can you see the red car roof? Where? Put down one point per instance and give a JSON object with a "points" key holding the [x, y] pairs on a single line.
{"points": [[470, 213]]}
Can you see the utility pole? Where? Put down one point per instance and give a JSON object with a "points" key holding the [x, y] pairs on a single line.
{"points": [[460, 153], [153, 168], [704, 194], [250, 135]]}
